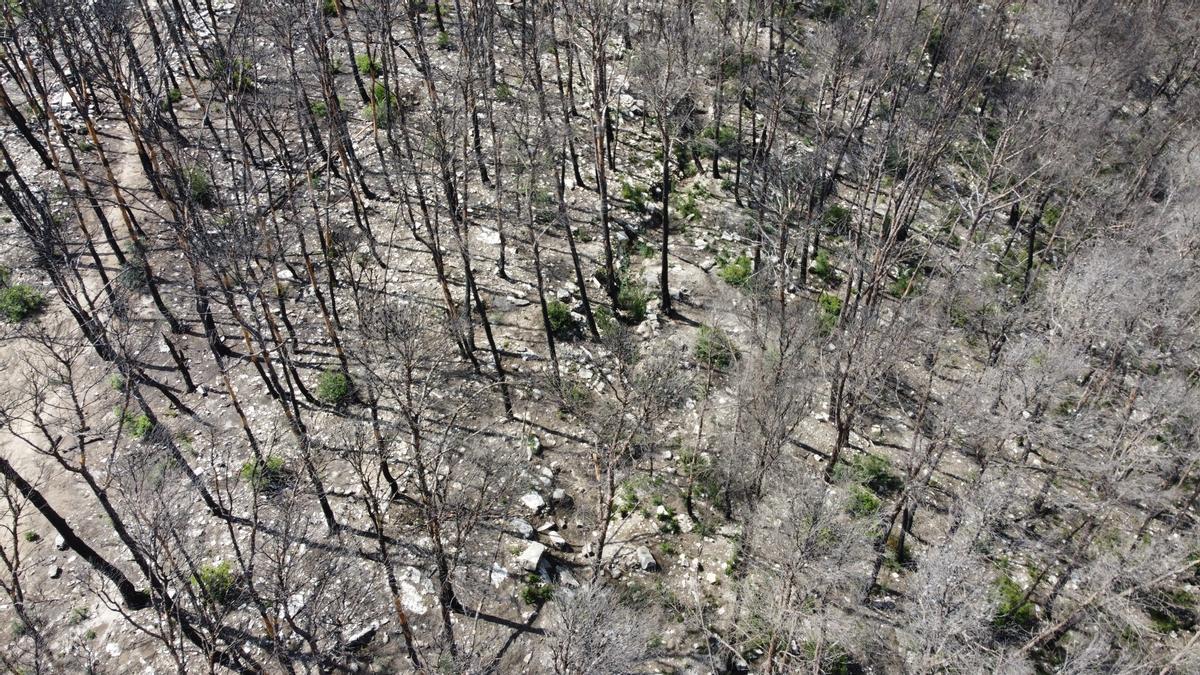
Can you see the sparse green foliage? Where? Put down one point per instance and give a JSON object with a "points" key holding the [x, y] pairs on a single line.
{"points": [[1012, 612], [266, 476], [367, 66], [632, 298], [443, 40], [837, 218], [334, 388], [830, 308], [199, 187], [136, 425], [736, 272], [635, 195], [823, 269], [32, 537], [216, 581], [562, 324], [20, 301], [863, 502], [535, 592], [382, 105], [714, 348]]}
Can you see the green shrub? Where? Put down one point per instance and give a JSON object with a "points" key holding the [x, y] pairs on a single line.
{"points": [[20, 301], [504, 93], [383, 104], [823, 269], [830, 307], [139, 425], [534, 592], [199, 187], [863, 502], [216, 581], [632, 298], [330, 7], [319, 109], [238, 73], [905, 283], [173, 96], [723, 139], [686, 206], [635, 195], [837, 218], [562, 325], [334, 387], [265, 476], [736, 272], [443, 40], [367, 65], [875, 472], [829, 10], [79, 615], [605, 321], [714, 348], [32, 537], [1012, 613]]}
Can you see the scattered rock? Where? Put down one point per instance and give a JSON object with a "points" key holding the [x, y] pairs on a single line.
{"points": [[646, 560], [534, 502], [557, 541], [60, 544], [559, 497], [531, 557], [521, 528], [55, 571]]}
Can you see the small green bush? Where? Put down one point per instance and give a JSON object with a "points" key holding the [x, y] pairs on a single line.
{"points": [[605, 321], [199, 187], [723, 139], [216, 581], [367, 65], [714, 348], [334, 387], [534, 592], [632, 298], [383, 104], [504, 93], [20, 301], [905, 283], [319, 109], [330, 7], [32, 537], [139, 425], [823, 269], [635, 195], [79, 615], [830, 309], [1011, 613], [562, 325], [239, 73], [837, 218], [686, 206], [863, 502], [443, 40], [265, 476], [736, 272], [875, 472]]}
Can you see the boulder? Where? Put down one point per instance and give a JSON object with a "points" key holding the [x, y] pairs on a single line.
{"points": [[531, 557], [534, 502], [646, 560], [521, 528]]}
